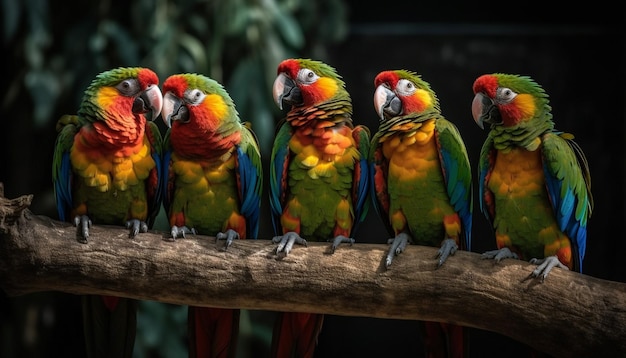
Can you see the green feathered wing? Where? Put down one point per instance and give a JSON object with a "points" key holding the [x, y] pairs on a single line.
{"points": [[106, 169]]}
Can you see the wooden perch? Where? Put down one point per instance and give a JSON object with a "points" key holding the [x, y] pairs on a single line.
{"points": [[568, 315]]}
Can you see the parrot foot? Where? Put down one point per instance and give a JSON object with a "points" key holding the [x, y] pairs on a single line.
{"points": [[82, 223], [338, 240], [448, 248], [136, 226], [180, 231], [229, 236], [545, 266], [398, 244], [499, 255], [286, 241]]}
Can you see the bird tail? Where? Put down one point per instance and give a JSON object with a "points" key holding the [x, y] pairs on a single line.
{"points": [[213, 332], [445, 340], [295, 334]]}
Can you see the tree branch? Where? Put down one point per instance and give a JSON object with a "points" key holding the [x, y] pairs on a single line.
{"points": [[569, 314]]}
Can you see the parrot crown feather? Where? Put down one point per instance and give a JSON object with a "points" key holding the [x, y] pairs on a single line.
{"points": [[319, 67], [521, 84], [525, 84], [211, 86], [180, 82], [421, 84], [112, 77]]}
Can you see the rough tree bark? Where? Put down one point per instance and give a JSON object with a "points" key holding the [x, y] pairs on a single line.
{"points": [[568, 315]]}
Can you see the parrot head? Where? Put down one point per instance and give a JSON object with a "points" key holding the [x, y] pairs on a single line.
{"points": [[201, 115], [508, 100], [120, 93], [193, 96], [401, 92], [305, 82]]}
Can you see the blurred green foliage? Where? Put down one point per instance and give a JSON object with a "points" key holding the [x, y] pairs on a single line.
{"points": [[54, 49], [236, 42]]}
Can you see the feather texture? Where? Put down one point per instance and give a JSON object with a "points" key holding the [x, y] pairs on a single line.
{"points": [[535, 186], [107, 169], [214, 185], [421, 185], [319, 180]]}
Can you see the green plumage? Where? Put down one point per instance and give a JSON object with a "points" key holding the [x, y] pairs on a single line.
{"points": [[213, 159], [421, 166], [318, 178], [534, 180], [213, 187], [106, 170], [317, 189], [421, 184]]}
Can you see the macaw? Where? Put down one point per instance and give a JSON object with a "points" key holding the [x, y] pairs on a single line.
{"points": [[534, 181], [318, 178], [107, 170], [213, 185], [421, 182]]}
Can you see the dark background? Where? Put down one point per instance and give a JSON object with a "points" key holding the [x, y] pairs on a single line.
{"points": [[576, 54]]}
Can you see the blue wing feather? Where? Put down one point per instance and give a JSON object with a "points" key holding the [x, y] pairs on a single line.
{"points": [[165, 184], [362, 177], [250, 178], [484, 167], [67, 126], [278, 162], [568, 192], [62, 186], [363, 190], [167, 187], [378, 190], [457, 173]]}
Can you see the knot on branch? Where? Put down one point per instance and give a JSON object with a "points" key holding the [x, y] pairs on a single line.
{"points": [[12, 209]]}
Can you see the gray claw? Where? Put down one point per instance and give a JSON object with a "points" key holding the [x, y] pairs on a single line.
{"points": [[286, 241], [180, 231], [338, 240], [398, 244], [499, 255], [136, 226], [545, 266], [229, 236], [83, 224], [448, 248]]}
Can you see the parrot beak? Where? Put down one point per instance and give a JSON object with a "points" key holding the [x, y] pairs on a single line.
{"points": [[485, 111], [150, 100], [173, 110], [286, 91], [386, 103]]}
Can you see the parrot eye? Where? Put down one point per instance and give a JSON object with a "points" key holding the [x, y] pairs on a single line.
{"points": [[128, 87], [307, 76], [505, 95], [194, 96], [405, 87]]}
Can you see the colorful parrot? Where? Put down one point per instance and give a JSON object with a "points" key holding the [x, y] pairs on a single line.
{"points": [[534, 181], [106, 169], [421, 182], [213, 185], [318, 178]]}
